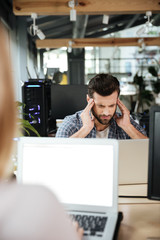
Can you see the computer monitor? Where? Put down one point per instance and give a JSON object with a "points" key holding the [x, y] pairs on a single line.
{"points": [[67, 99], [154, 154]]}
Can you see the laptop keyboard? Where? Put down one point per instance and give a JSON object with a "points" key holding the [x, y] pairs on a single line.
{"points": [[92, 225]]}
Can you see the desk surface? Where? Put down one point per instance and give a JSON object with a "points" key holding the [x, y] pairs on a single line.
{"points": [[141, 217], [140, 221]]}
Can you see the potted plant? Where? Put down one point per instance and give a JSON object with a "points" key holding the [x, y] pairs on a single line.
{"points": [[24, 125], [144, 96]]}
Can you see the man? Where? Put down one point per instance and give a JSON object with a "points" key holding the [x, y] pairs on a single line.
{"points": [[99, 119]]}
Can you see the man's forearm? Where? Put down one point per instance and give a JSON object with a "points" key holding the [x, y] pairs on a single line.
{"points": [[134, 133], [82, 133]]}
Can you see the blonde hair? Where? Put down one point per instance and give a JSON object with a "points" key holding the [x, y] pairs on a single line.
{"points": [[7, 104]]}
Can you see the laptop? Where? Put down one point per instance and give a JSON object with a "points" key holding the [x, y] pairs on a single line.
{"points": [[83, 173]]}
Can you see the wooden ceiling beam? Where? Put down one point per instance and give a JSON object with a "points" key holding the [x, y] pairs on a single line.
{"points": [[90, 7], [97, 42]]}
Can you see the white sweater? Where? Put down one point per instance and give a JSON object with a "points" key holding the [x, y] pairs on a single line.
{"points": [[32, 213]]}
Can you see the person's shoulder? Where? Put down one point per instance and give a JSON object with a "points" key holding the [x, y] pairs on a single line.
{"points": [[74, 116], [36, 208], [41, 194], [18, 191], [70, 125], [29, 200], [72, 120], [137, 125]]}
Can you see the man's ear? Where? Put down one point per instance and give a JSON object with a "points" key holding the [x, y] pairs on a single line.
{"points": [[88, 98]]}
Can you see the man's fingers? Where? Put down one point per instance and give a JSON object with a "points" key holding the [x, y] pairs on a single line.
{"points": [[90, 104], [117, 117], [122, 106]]}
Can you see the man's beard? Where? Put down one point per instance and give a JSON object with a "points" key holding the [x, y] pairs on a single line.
{"points": [[102, 121]]}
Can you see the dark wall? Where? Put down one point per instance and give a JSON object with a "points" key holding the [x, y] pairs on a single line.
{"points": [[76, 68]]}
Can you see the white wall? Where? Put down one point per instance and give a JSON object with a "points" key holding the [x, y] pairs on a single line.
{"points": [[20, 57], [32, 68], [14, 50]]}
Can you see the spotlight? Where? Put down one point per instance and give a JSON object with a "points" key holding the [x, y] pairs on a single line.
{"points": [[140, 31], [34, 30], [105, 19], [69, 50], [40, 34], [145, 29], [142, 44], [140, 41], [73, 13], [148, 15]]}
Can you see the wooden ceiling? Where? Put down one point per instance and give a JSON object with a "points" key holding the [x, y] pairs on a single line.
{"points": [[97, 42], [90, 7], [53, 20]]}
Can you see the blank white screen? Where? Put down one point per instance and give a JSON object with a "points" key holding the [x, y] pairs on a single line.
{"points": [[78, 174]]}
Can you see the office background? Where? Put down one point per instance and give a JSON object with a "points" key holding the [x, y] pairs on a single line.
{"points": [[33, 60]]}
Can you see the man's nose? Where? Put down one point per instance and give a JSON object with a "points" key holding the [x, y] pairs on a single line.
{"points": [[106, 111]]}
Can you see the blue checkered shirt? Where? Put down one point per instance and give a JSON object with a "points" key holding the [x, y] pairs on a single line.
{"points": [[73, 123]]}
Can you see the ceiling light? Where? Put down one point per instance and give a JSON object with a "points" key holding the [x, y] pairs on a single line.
{"points": [[140, 31], [40, 34], [34, 30], [105, 19], [105, 29], [140, 40], [142, 44], [148, 24], [73, 13], [69, 50], [148, 15]]}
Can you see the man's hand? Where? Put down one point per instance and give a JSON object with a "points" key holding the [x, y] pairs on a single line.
{"points": [[124, 120], [87, 120]]}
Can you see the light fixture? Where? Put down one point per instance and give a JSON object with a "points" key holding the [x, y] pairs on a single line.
{"points": [[148, 15], [140, 31], [105, 19], [145, 29], [142, 44], [69, 50], [34, 30], [104, 29], [40, 34], [73, 13], [140, 40]]}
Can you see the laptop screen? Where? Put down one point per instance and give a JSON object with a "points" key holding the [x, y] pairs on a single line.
{"points": [[78, 172]]}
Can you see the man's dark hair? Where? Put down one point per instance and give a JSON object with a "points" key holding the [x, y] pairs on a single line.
{"points": [[103, 84]]}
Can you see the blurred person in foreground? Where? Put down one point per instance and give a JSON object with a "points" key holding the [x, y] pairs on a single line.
{"points": [[26, 212]]}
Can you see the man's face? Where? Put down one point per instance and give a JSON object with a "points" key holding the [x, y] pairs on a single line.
{"points": [[104, 107]]}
